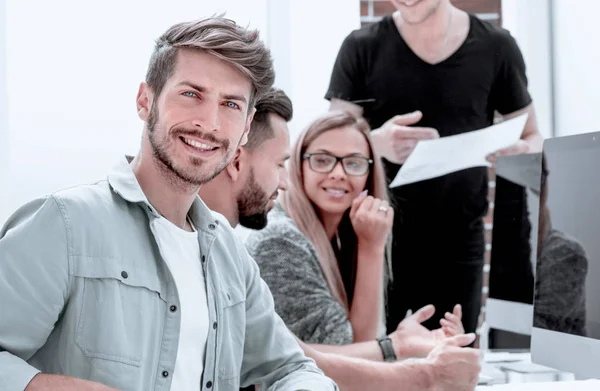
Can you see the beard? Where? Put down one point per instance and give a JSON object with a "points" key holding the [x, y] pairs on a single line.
{"points": [[252, 205], [197, 172]]}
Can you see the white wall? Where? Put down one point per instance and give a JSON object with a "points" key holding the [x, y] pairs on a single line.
{"points": [[3, 111], [308, 36], [529, 23], [577, 59], [72, 71]]}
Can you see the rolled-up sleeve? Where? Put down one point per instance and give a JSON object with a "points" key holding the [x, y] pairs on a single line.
{"points": [[272, 357], [34, 282]]}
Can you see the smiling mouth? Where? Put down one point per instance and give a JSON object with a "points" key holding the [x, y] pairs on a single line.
{"points": [[198, 145], [410, 3], [335, 192]]}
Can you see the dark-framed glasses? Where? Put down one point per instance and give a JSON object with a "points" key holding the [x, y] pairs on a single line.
{"points": [[325, 163]]}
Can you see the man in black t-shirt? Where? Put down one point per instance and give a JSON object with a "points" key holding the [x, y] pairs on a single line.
{"points": [[451, 72]]}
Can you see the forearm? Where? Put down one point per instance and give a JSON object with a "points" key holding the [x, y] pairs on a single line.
{"points": [[369, 350], [45, 382], [365, 312], [535, 141], [352, 374]]}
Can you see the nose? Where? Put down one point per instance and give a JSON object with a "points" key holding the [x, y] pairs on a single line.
{"points": [[207, 117], [338, 171], [284, 181]]}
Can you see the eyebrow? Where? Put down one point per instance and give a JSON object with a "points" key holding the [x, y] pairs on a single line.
{"points": [[353, 154], [239, 98]]}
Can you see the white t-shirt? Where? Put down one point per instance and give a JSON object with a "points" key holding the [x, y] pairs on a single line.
{"points": [[181, 252]]}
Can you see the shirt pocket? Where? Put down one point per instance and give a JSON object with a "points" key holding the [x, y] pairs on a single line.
{"points": [[232, 332], [119, 310]]}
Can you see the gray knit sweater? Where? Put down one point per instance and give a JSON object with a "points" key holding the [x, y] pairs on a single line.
{"points": [[290, 266]]}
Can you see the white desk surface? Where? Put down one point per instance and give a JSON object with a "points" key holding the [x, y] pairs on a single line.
{"points": [[506, 360], [582, 385]]}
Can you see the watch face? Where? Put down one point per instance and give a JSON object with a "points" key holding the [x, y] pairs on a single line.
{"points": [[387, 348]]}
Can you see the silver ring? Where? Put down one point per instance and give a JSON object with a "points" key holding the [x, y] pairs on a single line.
{"points": [[383, 208]]}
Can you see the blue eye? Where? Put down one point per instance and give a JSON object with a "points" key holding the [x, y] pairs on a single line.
{"points": [[190, 94], [232, 105]]}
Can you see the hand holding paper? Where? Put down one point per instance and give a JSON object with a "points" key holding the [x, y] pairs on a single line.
{"points": [[396, 139], [434, 158]]}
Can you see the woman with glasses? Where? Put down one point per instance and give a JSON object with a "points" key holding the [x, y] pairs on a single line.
{"points": [[325, 251]]}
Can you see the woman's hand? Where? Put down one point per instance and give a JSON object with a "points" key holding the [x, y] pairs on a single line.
{"points": [[372, 220]]}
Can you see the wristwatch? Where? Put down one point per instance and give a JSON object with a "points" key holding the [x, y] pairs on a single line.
{"points": [[385, 343]]}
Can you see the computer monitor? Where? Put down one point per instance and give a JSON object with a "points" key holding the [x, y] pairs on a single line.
{"points": [[566, 322], [509, 306]]}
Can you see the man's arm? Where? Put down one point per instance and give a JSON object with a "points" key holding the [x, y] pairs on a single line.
{"points": [[410, 339], [339, 104], [272, 357], [34, 285], [531, 139], [44, 382], [448, 368]]}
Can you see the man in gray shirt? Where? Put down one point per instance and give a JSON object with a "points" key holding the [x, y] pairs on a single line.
{"points": [[95, 291], [244, 193]]}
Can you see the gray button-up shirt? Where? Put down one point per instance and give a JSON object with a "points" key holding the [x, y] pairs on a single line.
{"points": [[84, 292]]}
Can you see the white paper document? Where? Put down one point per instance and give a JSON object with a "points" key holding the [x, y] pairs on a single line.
{"points": [[434, 158]]}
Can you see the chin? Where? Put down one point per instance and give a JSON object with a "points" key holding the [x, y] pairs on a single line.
{"points": [[329, 207]]}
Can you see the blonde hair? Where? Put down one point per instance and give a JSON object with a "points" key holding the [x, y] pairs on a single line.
{"points": [[299, 207]]}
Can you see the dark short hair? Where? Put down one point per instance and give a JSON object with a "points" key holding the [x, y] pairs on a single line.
{"points": [[220, 37], [273, 102]]}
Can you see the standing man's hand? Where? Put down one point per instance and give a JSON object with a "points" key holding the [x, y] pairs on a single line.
{"points": [[396, 139], [517, 148]]}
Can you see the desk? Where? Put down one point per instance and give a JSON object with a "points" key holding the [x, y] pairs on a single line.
{"points": [[505, 371]]}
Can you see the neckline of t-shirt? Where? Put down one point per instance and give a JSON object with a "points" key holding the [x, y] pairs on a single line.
{"points": [[178, 230], [400, 38]]}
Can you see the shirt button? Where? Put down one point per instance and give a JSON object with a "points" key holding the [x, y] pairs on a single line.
{"points": [[165, 374], [124, 274], [173, 308], [212, 226], [203, 258], [209, 384], [215, 325]]}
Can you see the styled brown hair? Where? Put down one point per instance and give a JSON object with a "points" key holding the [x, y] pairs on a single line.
{"points": [[220, 37], [299, 207], [273, 102]]}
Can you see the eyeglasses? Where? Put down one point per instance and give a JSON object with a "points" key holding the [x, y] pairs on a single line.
{"points": [[325, 163]]}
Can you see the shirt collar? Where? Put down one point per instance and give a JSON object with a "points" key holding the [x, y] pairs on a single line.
{"points": [[123, 182]]}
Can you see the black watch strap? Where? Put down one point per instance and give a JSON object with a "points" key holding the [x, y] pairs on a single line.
{"points": [[385, 343]]}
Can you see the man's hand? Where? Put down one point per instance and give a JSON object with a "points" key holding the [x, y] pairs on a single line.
{"points": [[517, 148], [454, 367], [452, 322], [412, 339], [396, 140]]}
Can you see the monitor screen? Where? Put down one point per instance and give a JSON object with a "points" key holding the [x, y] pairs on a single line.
{"points": [[567, 286], [514, 244], [514, 235]]}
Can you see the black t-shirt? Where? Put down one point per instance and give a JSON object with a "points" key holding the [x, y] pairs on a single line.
{"points": [[457, 95]]}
